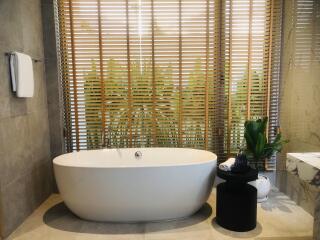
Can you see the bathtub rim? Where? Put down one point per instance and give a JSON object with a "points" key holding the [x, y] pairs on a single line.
{"points": [[59, 160]]}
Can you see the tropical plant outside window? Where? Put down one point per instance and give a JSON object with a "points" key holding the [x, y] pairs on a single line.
{"points": [[167, 73]]}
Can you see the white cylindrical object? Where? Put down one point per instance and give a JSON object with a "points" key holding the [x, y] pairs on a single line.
{"points": [[263, 186]]}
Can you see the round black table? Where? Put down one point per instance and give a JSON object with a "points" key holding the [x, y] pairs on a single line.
{"points": [[237, 201]]}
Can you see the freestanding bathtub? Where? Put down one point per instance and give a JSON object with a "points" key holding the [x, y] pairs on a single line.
{"points": [[135, 184]]}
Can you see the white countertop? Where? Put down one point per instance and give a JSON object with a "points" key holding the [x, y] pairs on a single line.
{"points": [[311, 158], [306, 166]]}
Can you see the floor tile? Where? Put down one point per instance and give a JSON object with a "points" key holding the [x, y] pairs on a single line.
{"points": [[278, 219]]}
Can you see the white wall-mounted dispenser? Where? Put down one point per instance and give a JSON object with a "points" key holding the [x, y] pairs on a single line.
{"points": [[21, 71]]}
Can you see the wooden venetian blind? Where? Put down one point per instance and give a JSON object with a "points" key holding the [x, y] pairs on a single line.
{"points": [[252, 39], [175, 73]]}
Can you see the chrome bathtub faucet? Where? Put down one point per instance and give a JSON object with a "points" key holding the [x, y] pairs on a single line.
{"points": [[138, 154]]}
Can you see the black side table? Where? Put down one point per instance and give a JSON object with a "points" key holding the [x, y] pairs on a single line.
{"points": [[237, 201]]}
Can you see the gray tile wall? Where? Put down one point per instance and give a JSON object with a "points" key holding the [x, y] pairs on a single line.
{"points": [[299, 105], [54, 91], [316, 226], [25, 159], [300, 98]]}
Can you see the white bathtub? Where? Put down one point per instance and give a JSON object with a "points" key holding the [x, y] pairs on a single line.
{"points": [[113, 185]]}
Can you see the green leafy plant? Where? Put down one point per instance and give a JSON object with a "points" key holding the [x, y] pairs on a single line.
{"points": [[258, 148], [163, 117]]}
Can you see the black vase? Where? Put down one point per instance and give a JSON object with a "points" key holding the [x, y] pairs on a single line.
{"points": [[241, 164]]}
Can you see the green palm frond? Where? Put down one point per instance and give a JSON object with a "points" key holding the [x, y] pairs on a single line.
{"points": [[258, 149]]}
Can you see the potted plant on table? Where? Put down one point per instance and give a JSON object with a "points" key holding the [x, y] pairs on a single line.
{"points": [[258, 149]]}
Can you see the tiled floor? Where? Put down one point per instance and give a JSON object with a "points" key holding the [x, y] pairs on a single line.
{"points": [[278, 219]]}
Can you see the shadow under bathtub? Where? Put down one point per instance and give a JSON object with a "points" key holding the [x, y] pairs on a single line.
{"points": [[60, 217]]}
